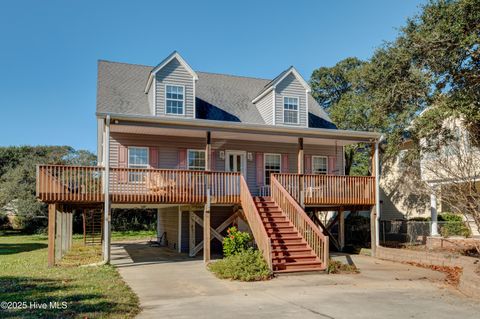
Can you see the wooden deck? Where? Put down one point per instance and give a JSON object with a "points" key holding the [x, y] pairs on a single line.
{"points": [[83, 184], [329, 189], [76, 184]]}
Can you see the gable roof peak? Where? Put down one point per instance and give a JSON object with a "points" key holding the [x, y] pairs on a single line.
{"points": [[279, 78], [168, 59]]}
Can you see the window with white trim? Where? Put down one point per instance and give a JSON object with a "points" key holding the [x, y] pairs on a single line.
{"points": [[174, 99], [137, 158], [290, 110], [272, 163], [196, 160], [319, 165]]}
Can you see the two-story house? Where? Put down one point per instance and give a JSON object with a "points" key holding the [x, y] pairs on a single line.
{"points": [[211, 150], [445, 179]]}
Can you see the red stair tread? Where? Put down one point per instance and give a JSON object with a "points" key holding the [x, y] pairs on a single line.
{"points": [[290, 251]]}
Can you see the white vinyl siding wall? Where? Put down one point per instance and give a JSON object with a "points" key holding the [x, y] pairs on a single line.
{"points": [[291, 87], [174, 74], [265, 108]]}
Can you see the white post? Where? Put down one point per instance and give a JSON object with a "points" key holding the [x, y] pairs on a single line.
{"points": [[106, 183], [433, 214], [377, 192], [179, 229]]}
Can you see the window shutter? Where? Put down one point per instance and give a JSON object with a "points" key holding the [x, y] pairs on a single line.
{"points": [[284, 163], [308, 164], [213, 162], [259, 168], [153, 157], [122, 162], [331, 165], [182, 159]]}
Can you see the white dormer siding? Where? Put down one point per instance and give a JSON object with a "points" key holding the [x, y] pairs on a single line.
{"points": [[265, 108], [291, 87], [175, 74], [151, 99]]}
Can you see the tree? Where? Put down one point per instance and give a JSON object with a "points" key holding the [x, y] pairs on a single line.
{"points": [[435, 60], [18, 178], [382, 95], [450, 167], [329, 84], [444, 42]]}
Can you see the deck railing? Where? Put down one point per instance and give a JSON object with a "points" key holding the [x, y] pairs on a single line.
{"points": [[329, 189], [57, 183], [255, 222], [305, 226]]}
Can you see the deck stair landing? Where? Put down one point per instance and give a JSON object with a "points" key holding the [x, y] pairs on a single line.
{"points": [[290, 251]]}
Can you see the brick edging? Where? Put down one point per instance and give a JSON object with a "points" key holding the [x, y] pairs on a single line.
{"points": [[469, 280]]}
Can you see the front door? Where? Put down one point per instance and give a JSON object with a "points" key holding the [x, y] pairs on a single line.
{"points": [[236, 161]]}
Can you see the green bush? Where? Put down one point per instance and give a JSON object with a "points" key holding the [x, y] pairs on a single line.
{"points": [[235, 242], [246, 265], [453, 225]]}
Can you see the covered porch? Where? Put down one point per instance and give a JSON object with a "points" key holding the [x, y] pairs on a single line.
{"points": [[235, 167]]}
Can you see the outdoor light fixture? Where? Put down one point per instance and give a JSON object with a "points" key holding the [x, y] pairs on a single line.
{"points": [[249, 156], [222, 155]]}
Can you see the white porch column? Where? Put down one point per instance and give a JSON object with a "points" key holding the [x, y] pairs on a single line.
{"points": [[179, 229], [433, 214], [106, 183]]}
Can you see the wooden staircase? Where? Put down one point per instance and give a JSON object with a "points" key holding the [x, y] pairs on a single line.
{"points": [[290, 251]]}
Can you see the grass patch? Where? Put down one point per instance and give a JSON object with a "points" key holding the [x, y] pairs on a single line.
{"points": [[247, 265], [337, 267], [89, 292]]}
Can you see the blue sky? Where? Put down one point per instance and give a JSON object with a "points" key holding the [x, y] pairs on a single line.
{"points": [[49, 49]]}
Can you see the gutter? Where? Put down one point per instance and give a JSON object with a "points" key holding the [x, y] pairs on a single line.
{"points": [[246, 127]]}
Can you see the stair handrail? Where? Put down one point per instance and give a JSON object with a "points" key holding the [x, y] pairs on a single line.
{"points": [[255, 222], [317, 240]]}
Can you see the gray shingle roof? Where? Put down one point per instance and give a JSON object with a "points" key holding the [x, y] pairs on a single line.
{"points": [[120, 89]]}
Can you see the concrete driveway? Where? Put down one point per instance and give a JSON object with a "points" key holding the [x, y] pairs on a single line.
{"points": [[171, 285]]}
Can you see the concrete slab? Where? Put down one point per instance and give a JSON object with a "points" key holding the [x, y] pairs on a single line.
{"points": [[172, 285]]}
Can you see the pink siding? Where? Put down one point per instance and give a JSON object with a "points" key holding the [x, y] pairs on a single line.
{"points": [[308, 164], [284, 163], [182, 159], [153, 157], [213, 161], [259, 166], [332, 165], [122, 161]]}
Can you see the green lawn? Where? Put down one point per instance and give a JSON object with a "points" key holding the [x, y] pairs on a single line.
{"points": [[89, 292]]}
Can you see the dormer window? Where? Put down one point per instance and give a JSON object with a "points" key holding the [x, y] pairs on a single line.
{"points": [[290, 110], [175, 99]]}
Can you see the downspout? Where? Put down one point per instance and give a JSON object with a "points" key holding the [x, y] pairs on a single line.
{"points": [[377, 190], [106, 192]]}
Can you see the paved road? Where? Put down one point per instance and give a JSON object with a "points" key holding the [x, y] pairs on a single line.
{"points": [[173, 286]]}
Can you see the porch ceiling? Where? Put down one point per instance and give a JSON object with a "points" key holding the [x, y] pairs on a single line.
{"points": [[272, 137]]}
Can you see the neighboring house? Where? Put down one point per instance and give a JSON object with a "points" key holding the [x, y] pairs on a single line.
{"points": [[215, 149], [445, 164]]}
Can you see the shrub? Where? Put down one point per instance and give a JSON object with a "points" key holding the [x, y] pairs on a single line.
{"points": [[235, 242], [453, 226], [337, 267], [246, 265]]}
